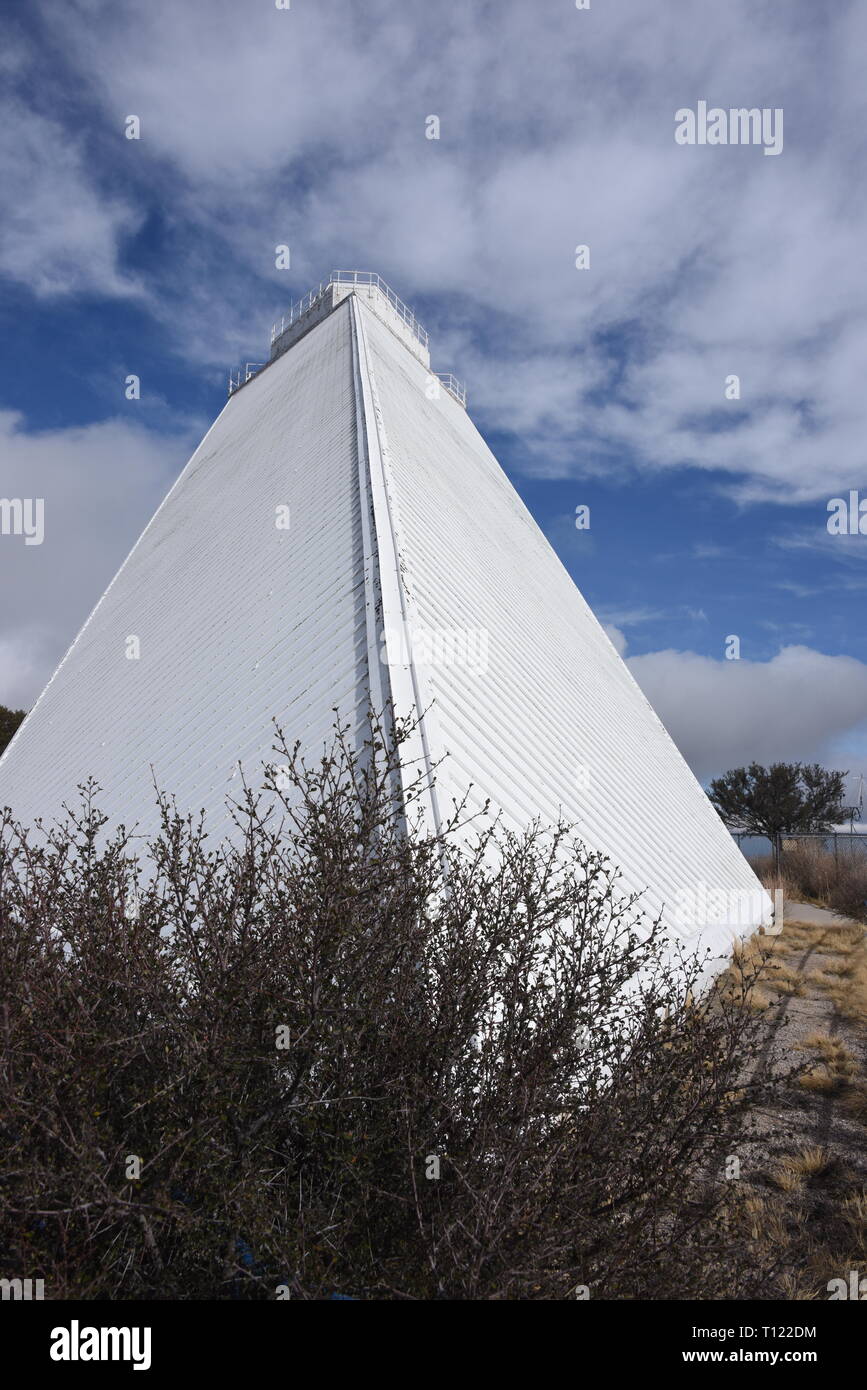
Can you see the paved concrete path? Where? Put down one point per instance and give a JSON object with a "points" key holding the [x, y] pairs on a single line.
{"points": [[815, 916]]}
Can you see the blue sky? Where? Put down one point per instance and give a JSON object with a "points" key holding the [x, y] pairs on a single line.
{"points": [[602, 387]]}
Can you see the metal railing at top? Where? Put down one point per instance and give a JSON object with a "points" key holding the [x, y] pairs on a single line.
{"points": [[448, 380], [242, 375], [453, 386], [363, 278], [297, 311]]}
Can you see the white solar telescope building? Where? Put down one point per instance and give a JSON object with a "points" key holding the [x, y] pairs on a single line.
{"points": [[343, 536]]}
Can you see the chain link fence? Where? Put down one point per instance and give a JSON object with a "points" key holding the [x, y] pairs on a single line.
{"points": [[842, 844]]}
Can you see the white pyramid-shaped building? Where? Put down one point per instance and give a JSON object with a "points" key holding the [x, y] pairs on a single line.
{"points": [[343, 537]]}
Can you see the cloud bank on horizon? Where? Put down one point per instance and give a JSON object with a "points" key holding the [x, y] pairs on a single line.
{"points": [[306, 127]]}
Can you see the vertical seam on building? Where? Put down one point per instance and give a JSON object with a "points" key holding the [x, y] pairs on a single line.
{"points": [[379, 682], [407, 689]]}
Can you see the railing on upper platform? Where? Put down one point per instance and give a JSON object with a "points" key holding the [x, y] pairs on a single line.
{"points": [[367, 279], [242, 375], [454, 387], [297, 311]]}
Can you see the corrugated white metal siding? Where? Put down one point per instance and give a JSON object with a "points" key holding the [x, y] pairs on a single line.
{"points": [[239, 622], [399, 514], [556, 721]]}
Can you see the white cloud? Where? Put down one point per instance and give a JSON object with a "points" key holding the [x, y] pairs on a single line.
{"points": [[100, 484], [58, 234], [798, 707], [233, 93], [307, 125], [632, 617]]}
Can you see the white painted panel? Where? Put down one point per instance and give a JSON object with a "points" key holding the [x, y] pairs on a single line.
{"points": [[239, 622], [556, 722]]}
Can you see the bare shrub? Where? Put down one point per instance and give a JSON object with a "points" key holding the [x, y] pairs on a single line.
{"points": [[356, 1059]]}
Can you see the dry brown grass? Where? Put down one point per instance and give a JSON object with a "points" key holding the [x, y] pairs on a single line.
{"points": [[798, 1168], [785, 979], [741, 981], [760, 971], [805, 1211], [851, 997], [834, 1068], [855, 1216], [854, 1102], [759, 999], [809, 1221], [808, 873], [843, 980], [839, 968], [766, 968]]}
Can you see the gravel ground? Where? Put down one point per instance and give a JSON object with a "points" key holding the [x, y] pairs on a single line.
{"points": [[804, 1164], [812, 1117]]}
